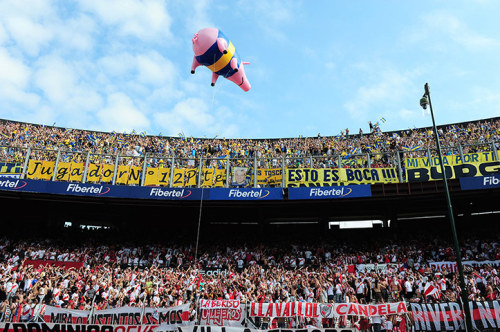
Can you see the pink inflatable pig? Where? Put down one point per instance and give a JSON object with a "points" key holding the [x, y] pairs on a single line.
{"points": [[213, 50]]}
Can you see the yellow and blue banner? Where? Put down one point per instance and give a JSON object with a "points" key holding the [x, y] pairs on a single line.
{"points": [[451, 160], [11, 168], [325, 177], [433, 173], [269, 176]]}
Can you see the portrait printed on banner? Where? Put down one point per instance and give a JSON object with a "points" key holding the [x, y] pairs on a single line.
{"points": [[240, 178]]}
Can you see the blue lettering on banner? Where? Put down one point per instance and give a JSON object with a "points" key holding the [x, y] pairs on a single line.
{"points": [[219, 194], [480, 182], [361, 190]]}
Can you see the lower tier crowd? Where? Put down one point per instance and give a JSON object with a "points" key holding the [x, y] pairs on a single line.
{"points": [[108, 276]]}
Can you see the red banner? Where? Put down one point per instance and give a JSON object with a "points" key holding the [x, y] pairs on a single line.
{"points": [[66, 265]]}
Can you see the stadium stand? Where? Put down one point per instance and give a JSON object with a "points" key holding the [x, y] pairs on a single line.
{"points": [[81, 250]]}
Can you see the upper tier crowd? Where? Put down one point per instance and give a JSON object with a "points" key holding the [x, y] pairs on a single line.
{"points": [[374, 141], [164, 275]]}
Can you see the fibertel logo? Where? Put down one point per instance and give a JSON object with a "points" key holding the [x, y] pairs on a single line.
{"points": [[253, 193], [170, 193], [9, 184], [490, 181], [318, 192], [87, 189]]}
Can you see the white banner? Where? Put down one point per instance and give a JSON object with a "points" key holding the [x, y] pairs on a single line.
{"points": [[201, 328], [67, 316], [229, 313], [317, 310], [452, 266], [376, 267], [219, 304], [56, 327], [174, 316], [448, 316]]}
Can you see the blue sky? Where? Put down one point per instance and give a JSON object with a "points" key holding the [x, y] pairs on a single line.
{"points": [[316, 66]]}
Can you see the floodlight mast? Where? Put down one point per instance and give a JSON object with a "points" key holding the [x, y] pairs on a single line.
{"points": [[424, 101]]}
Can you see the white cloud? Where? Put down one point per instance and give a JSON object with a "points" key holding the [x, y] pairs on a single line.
{"points": [[66, 89], [149, 75], [198, 17], [483, 98], [192, 113], [120, 114], [458, 31], [147, 19], [329, 65], [270, 16], [274, 11], [162, 96], [407, 114], [15, 97], [3, 34], [193, 116], [437, 28], [55, 78], [13, 71], [36, 9], [155, 69], [14, 83], [41, 24], [390, 86], [29, 35], [77, 33], [117, 65]]}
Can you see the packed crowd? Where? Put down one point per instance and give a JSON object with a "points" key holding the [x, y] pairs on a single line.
{"points": [[375, 142], [162, 276]]}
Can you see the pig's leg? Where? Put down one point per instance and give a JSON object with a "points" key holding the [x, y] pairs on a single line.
{"points": [[194, 65], [214, 78], [222, 45], [234, 64]]}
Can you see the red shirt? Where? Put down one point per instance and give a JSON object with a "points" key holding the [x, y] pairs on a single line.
{"points": [[364, 324]]}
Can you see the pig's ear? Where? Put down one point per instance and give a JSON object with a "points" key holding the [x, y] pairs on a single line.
{"points": [[214, 78], [222, 45]]}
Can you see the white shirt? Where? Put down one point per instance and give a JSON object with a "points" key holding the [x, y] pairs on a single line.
{"points": [[360, 287]]}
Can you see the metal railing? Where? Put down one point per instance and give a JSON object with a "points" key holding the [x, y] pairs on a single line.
{"points": [[203, 171]]}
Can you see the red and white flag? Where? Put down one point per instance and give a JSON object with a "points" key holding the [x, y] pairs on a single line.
{"points": [[430, 290]]}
